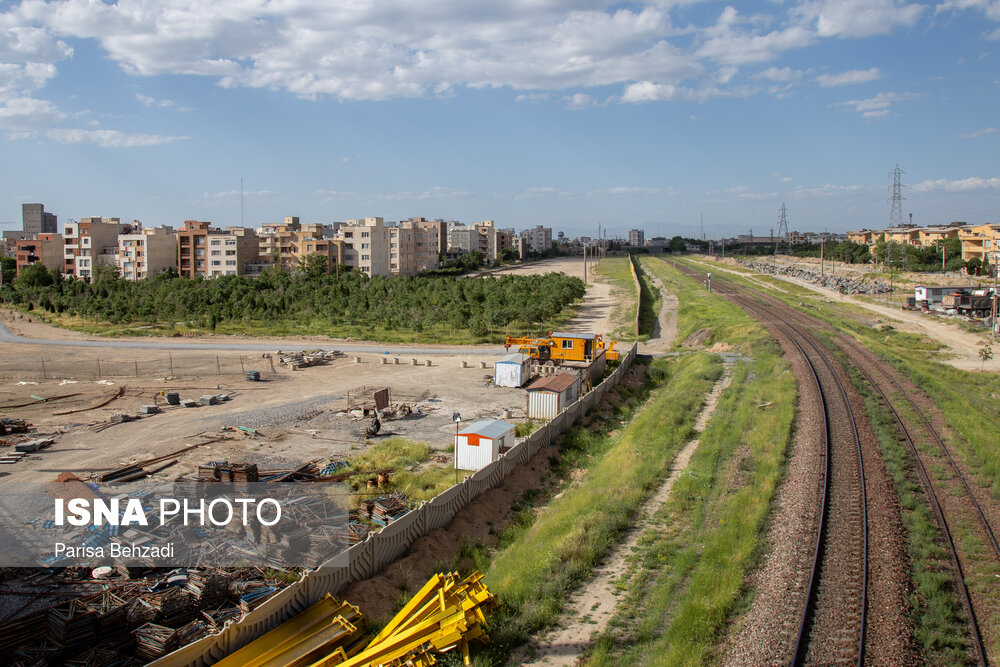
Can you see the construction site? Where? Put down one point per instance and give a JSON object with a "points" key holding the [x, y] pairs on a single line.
{"points": [[308, 416]]}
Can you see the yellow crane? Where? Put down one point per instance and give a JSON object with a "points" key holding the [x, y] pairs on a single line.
{"points": [[564, 346]]}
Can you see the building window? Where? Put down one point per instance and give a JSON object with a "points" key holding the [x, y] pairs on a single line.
{"points": [[364, 235], [365, 258], [364, 246]]}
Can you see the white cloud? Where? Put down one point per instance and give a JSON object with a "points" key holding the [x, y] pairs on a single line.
{"points": [[879, 106], [631, 191], [989, 8], [579, 101], [28, 113], [971, 184], [109, 138], [827, 190], [648, 91], [859, 18], [978, 133], [849, 77], [535, 193], [161, 104], [780, 75], [235, 194], [729, 44], [532, 98]]}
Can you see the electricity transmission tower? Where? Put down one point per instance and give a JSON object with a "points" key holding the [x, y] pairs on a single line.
{"points": [[782, 229], [896, 214]]}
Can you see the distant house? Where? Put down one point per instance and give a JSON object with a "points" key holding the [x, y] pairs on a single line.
{"points": [[479, 443], [548, 396]]}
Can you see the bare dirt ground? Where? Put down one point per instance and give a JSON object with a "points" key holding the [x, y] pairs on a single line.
{"points": [[595, 313], [300, 416], [962, 347], [589, 610]]}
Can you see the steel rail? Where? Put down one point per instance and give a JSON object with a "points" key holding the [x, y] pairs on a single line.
{"points": [[784, 325]]}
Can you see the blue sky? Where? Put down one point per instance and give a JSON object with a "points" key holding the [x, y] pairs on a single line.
{"points": [[566, 114]]}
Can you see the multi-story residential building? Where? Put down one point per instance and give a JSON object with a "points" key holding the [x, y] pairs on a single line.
{"points": [[902, 235], [636, 238], [288, 243], [229, 251], [90, 241], [479, 236], [192, 248], [930, 236], [981, 241], [35, 221], [864, 236], [437, 233], [505, 238], [366, 246], [539, 239], [44, 249], [146, 252]]}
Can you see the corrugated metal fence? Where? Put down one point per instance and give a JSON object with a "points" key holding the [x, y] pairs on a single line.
{"points": [[366, 559]]}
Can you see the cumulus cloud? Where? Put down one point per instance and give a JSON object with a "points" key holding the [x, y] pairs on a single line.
{"points": [[728, 42], [649, 91], [859, 18], [850, 77], [28, 113], [971, 184], [780, 74]]}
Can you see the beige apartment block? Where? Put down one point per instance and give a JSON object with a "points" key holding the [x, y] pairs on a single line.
{"points": [[229, 251], [89, 242], [366, 246], [979, 241], [147, 252], [538, 239]]}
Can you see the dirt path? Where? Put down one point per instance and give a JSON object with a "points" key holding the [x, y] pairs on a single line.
{"points": [[962, 347], [665, 329], [589, 610]]}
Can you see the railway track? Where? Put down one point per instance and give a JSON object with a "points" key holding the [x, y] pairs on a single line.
{"points": [[833, 619], [882, 381]]}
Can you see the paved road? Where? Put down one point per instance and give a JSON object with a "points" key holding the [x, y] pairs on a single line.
{"points": [[127, 343]]}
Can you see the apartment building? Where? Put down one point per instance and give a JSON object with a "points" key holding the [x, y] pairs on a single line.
{"points": [[538, 239], [636, 238], [192, 248], [479, 236], [289, 242], [230, 251], [91, 241], [44, 249], [981, 241], [437, 233], [35, 220], [366, 246], [147, 252]]}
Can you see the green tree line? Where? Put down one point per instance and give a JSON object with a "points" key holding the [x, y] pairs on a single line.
{"points": [[476, 305]]}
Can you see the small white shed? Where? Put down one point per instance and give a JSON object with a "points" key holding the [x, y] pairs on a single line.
{"points": [[478, 444], [548, 396], [512, 370]]}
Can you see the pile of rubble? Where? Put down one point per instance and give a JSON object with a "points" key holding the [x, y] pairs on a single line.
{"points": [[307, 357], [839, 283], [143, 614]]}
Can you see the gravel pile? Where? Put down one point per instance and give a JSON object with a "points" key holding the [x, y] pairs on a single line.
{"points": [[280, 415], [843, 285]]}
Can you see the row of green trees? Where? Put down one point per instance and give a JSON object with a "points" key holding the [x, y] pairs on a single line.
{"points": [[477, 305]]}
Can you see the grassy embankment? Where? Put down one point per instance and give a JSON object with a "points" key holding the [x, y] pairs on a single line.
{"points": [[631, 307], [689, 577], [415, 474], [969, 403], [542, 560], [615, 270]]}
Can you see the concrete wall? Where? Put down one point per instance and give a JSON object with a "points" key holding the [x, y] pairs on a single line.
{"points": [[366, 559]]}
